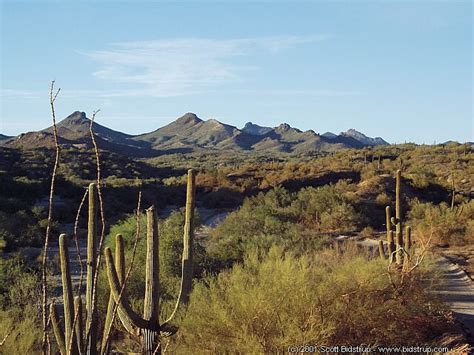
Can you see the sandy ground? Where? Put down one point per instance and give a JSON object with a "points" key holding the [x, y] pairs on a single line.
{"points": [[457, 289]]}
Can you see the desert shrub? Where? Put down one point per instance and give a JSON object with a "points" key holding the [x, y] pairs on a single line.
{"points": [[383, 199], [367, 232], [272, 301], [422, 177], [20, 293], [444, 224], [19, 284], [21, 228], [369, 171], [326, 208], [24, 332], [292, 220]]}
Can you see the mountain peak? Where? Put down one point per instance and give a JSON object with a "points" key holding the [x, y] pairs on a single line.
{"points": [[284, 127], [189, 118], [76, 117], [329, 135], [255, 129], [363, 138], [189, 133]]}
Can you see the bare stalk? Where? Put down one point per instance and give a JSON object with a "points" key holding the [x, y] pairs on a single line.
{"points": [[6, 336], [78, 251], [52, 98]]}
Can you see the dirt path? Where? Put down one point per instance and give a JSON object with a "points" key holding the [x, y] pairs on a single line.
{"points": [[457, 289], [210, 219]]}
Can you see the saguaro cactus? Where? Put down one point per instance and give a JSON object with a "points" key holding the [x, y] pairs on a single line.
{"points": [[400, 246], [66, 340], [381, 250], [148, 325], [388, 223], [91, 319], [72, 339]]}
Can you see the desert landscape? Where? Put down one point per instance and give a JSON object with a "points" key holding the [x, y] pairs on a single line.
{"points": [[293, 231]]}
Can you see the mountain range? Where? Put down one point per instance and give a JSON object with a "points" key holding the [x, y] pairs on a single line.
{"points": [[189, 133]]}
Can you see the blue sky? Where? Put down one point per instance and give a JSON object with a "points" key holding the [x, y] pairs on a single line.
{"points": [[397, 69]]}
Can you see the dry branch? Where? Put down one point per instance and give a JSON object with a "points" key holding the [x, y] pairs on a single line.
{"points": [[52, 98]]}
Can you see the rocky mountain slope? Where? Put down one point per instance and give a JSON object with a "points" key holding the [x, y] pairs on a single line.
{"points": [[189, 133]]}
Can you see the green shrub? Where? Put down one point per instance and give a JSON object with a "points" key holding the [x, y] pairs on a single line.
{"points": [[443, 224], [20, 295], [296, 221], [270, 302], [19, 284]]}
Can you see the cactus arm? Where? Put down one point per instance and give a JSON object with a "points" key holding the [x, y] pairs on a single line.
{"points": [[115, 288], [79, 324], [187, 262], [91, 321], [120, 268], [58, 333], [107, 325], [119, 255], [67, 292]]}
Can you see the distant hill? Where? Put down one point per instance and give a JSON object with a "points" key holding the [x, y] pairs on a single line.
{"points": [[190, 133], [74, 131], [4, 138], [366, 141]]}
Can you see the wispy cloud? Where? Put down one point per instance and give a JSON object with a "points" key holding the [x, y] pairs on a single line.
{"points": [[172, 67], [24, 94], [324, 93]]}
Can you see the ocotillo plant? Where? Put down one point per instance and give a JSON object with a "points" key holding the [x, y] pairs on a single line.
{"points": [[72, 340], [148, 325], [399, 246]]}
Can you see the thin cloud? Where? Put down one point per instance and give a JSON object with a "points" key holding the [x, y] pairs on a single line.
{"points": [[324, 93], [23, 94], [173, 67]]}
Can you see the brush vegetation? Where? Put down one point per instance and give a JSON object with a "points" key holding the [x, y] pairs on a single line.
{"points": [[266, 277]]}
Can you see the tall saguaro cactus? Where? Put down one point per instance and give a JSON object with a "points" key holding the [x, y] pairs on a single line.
{"points": [[72, 339], [91, 320], [399, 245], [148, 325]]}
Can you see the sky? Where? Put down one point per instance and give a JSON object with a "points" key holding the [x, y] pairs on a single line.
{"points": [[401, 70]]}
